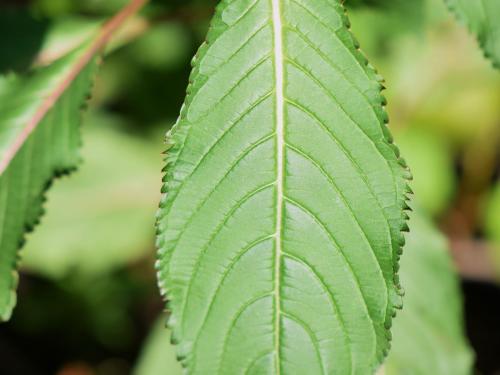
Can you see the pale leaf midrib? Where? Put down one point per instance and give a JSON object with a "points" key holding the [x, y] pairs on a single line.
{"points": [[280, 146]]}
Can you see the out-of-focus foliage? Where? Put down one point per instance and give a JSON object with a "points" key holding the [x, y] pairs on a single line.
{"points": [[481, 16], [492, 218], [432, 167], [115, 191], [163, 47], [63, 35], [426, 86], [158, 354], [21, 36], [428, 334]]}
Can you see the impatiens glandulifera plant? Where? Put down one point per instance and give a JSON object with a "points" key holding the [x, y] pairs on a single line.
{"points": [[280, 228], [284, 196]]}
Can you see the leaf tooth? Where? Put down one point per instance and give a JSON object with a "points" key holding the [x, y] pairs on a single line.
{"points": [[385, 130], [401, 292], [405, 227], [407, 174], [402, 162], [408, 189]]}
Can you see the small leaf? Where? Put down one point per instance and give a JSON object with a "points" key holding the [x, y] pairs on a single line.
{"points": [[482, 17], [428, 335], [279, 234]]}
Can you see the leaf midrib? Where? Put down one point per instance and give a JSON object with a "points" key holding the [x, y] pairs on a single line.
{"points": [[280, 160]]}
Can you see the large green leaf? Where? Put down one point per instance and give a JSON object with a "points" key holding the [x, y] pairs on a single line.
{"points": [[279, 233], [27, 166], [428, 333], [482, 17]]}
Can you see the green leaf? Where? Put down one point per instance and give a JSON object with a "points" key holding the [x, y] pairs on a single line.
{"points": [[428, 335], [482, 17], [279, 234], [38, 140]]}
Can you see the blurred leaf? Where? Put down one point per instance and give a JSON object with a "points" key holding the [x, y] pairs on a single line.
{"points": [[382, 26], [21, 37], [37, 141], [164, 46], [482, 17], [428, 334], [113, 200], [492, 218], [61, 8], [450, 92], [64, 35], [432, 167], [158, 353]]}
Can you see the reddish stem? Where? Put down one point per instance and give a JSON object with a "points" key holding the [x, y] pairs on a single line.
{"points": [[100, 41]]}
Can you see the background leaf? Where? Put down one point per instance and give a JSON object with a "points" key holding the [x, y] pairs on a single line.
{"points": [[52, 149], [39, 139], [432, 169], [482, 17], [428, 335], [21, 36], [283, 191]]}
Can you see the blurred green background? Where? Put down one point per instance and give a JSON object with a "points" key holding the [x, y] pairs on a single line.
{"points": [[88, 298]]}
